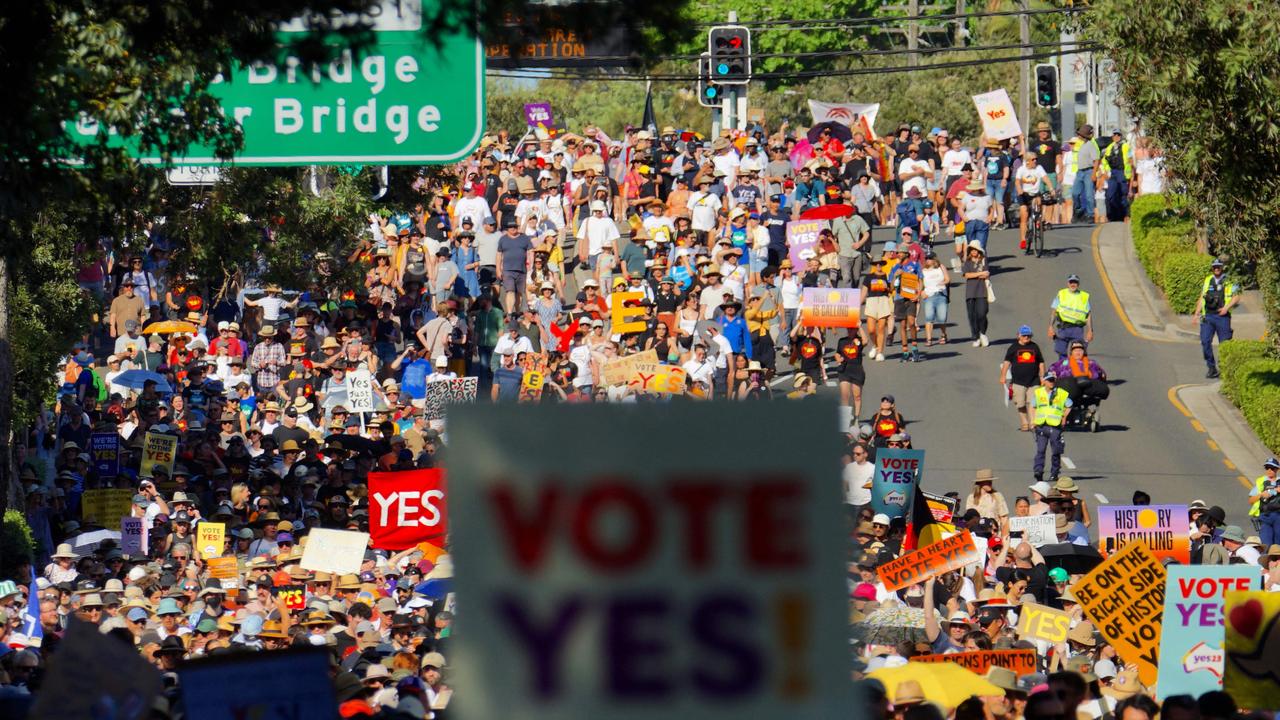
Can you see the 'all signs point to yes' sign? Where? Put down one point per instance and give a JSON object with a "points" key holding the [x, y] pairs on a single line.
{"points": [[401, 100]]}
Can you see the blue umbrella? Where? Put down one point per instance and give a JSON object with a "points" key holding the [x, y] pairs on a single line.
{"points": [[134, 379]]}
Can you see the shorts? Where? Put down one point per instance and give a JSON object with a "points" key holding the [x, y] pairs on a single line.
{"points": [[1024, 199], [994, 191], [514, 282], [1051, 181], [935, 308], [879, 307], [904, 308], [857, 376], [934, 184]]}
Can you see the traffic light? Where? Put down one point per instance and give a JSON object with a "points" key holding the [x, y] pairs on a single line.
{"points": [[1047, 85], [709, 93], [730, 48]]}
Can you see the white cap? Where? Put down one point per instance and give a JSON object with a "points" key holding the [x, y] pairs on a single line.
{"points": [[598, 205], [880, 519], [442, 361], [136, 574], [223, 325], [1041, 487], [1104, 669]]}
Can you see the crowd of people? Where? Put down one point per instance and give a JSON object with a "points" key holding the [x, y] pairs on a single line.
{"points": [[516, 271]]}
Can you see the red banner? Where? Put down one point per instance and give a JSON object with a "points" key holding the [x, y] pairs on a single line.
{"points": [[406, 508]]}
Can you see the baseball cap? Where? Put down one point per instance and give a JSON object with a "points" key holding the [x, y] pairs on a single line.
{"points": [[1073, 278], [1049, 376], [137, 614], [1025, 330], [1271, 462], [1217, 262]]}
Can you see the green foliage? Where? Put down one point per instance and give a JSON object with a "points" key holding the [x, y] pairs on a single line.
{"points": [[1182, 276], [1202, 76], [1143, 207], [1251, 380], [610, 105], [1161, 241], [19, 546]]}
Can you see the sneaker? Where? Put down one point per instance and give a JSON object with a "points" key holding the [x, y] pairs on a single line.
{"points": [[1213, 373], [977, 342], [983, 339], [880, 357], [1022, 244]]}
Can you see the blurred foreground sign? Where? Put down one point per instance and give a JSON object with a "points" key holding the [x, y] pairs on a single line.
{"points": [[631, 583]]}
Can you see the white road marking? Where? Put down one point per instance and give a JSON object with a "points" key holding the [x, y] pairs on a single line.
{"points": [[1066, 463]]}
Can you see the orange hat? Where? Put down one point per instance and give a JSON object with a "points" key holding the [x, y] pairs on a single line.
{"points": [[281, 577]]}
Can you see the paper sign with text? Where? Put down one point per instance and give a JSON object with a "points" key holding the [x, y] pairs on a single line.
{"points": [[535, 375], [1041, 622], [929, 561], [1022, 662], [360, 391], [620, 371], [293, 597], [943, 507], [158, 451], [538, 115], [133, 537], [106, 453], [1252, 671], [334, 551], [659, 379], [223, 568], [831, 308], [1036, 529], [893, 484], [1191, 640], [1164, 528], [106, 507], [407, 508], [1124, 597], [999, 122], [631, 584], [802, 241], [211, 539]]}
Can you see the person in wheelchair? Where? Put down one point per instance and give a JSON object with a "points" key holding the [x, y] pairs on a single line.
{"points": [[1084, 379]]}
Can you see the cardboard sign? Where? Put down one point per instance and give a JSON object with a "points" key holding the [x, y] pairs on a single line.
{"points": [[438, 395], [91, 671], [106, 507], [1036, 529], [535, 369], [802, 241], [407, 508], [335, 551], [893, 485], [620, 371], [625, 312], [631, 580], [1022, 662], [133, 537], [269, 686], [211, 539], [943, 507], [999, 121], [538, 115], [660, 379], [293, 597], [1164, 528], [360, 391], [223, 568], [105, 448], [930, 561], [831, 308], [1124, 597], [1252, 671], [1191, 640], [1041, 622], [158, 451]]}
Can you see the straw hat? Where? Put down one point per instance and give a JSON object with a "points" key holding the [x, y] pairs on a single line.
{"points": [[65, 551], [908, 692]]}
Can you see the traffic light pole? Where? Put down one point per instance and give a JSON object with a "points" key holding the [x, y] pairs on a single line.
{"points": [[1024, 83]]}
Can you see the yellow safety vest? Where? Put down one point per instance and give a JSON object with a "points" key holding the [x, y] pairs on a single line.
{"points": [[1256, 509], [1124, 153], [1073, 307], [1049, 410], [1228, 289], [1075, 154]]}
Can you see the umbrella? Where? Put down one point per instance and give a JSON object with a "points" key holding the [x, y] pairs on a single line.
{"points": [[893, 625], [944, 683], [1075, 559], [801, 154], [89, 541], [134, 380], [839, 131], [827, 212], [166, 327]]}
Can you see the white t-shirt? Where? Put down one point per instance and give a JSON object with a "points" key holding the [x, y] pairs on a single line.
{"points": [[976, 207], [723, 351], [954, 160], [700, 371], [791, 293], [473, 207], [728, 164], [580, 356], [598, 232], [270, 305], [917, 182], [856, 477], [1150, 175], [1031, 181], [703, 208]]}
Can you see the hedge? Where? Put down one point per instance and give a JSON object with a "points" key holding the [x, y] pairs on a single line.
{"points": [[1251, 380], [1164, 241], [1182, 277], [19, 546]]}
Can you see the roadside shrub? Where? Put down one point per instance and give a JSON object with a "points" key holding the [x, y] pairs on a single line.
{"points": [[1232, 355], [19, 545], [1182, 276], [1255, 389]]}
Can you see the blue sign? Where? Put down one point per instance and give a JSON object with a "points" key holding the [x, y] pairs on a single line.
{"points": [[1192, 632], [893, 486], [105, 448]]}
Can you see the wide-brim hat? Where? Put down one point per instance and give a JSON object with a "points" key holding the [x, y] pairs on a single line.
{"points": [[65, 551], [984, 475], [267, 331], [1082, 633], [975, 245], [975, 185]]}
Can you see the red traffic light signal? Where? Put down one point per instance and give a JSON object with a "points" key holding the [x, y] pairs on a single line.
{"points": [[730, 50]]}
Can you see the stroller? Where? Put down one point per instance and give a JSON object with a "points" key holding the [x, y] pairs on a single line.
{"points": [[1086, 397]]}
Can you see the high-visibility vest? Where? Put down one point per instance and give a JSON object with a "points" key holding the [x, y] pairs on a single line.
{"points": [[1228, 289], [1125, 155], [1258, 485], [1076, 155], [1073, 307], [1049, 410]]}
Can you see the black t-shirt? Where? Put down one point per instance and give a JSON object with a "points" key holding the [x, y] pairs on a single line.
{"points": [[1047, 154], [1024, 363], [849, 353], [927, 153], [855, 169], [492, 188], [746, 195], [507, 205], [295, 433], [875, 285], [777, 226], [810, 354], [437, 227]]}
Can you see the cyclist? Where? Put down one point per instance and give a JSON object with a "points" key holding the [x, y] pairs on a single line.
{"points": [[1031, 180]]}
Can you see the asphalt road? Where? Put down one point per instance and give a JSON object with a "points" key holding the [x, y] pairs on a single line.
{"points": [[956, 412]]}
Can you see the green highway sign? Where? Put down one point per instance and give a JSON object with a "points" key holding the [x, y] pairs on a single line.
{"points": [[402, 100]]}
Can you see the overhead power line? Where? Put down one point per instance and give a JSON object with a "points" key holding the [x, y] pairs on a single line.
{"points": [[889, 20]]}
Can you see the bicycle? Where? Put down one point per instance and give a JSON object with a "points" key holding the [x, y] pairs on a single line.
{"points": [[1035, 231]]}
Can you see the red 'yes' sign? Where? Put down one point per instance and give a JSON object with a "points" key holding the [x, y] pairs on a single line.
{"points": [[406, 508]]}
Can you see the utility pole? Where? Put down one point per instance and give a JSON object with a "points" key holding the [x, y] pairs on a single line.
{"points": [[1067, 89], [1024, 84], [913, 32], [960, 40]]}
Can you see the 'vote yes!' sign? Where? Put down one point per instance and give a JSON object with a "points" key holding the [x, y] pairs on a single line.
{"points": [[407, 508]]}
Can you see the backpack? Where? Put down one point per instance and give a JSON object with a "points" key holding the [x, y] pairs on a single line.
{"points": [[907, 215]]}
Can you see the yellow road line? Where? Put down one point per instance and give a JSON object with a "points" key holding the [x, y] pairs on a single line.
{"points": [[1244, 481], [1196, 424], [1111, 292], [1173, 398], [1212, 445], [1230, 465]]}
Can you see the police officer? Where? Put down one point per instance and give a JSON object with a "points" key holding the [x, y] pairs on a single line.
{"points": [[1265, 499], [1049, 403], [1071, 317], [1117, 170], [1217, 296]]}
